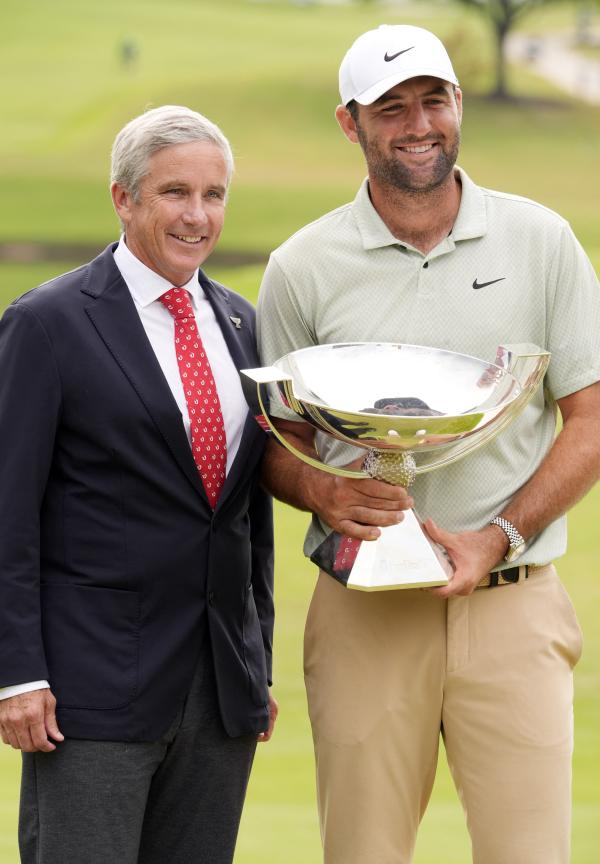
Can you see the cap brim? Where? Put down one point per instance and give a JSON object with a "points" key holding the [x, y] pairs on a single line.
{"points": [[368, 96]]}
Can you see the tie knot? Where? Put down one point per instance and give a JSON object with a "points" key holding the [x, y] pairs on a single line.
{"points": [[177, 302]]}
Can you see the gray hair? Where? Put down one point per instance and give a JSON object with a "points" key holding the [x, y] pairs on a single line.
{"points": [[160, 127]]}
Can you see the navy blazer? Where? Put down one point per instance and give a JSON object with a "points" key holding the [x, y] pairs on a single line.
{"points": [[113, 566]]}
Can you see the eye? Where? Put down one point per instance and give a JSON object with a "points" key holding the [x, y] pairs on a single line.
{"points": [[215, 193], [440, 99], [175, 191]]}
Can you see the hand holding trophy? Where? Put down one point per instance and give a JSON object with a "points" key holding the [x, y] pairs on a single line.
{"points": [[413, 409]]}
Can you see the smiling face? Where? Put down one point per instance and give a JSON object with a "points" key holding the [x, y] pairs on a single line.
{"points": [[178, 216], [410, 136]]}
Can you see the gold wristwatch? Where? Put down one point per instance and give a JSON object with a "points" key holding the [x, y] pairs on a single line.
{"points": [[516, 543]]}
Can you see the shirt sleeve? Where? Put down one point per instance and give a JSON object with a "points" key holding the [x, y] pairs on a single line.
{"points": [[574, 319], [17, 689], [281, 327]]}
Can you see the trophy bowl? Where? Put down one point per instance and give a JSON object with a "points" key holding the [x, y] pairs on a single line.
{"points": [[413, 409]]}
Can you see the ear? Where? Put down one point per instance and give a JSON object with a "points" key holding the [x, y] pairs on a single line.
{"points": [[122, 202], [347, 124], [459, 103]]}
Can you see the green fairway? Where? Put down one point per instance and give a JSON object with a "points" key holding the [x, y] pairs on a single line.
{"points": [[280, 822], [267, 72]]}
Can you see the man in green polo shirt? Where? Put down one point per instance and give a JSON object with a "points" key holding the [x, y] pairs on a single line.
{"points": [[424, 256]]}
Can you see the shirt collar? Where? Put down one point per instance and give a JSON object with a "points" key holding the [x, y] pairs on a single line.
{"points": [[144, 284], [471, 219]]}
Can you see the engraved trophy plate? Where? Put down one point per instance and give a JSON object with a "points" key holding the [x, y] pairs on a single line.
{"points": [[413, 409]]}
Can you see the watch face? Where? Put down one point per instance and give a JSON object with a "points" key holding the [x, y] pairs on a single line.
{"points": [[515, 552]]}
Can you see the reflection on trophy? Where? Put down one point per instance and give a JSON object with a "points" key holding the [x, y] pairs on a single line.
{"points": [[413, 409]]}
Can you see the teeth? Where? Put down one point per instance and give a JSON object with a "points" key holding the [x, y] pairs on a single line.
{"points": [[422, 149], [188, 239]]}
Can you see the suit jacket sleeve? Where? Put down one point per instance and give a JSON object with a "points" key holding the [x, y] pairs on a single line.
{"points": [[261, 532], [30, 398]]}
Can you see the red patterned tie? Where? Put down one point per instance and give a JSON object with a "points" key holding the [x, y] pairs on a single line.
{"points": [[209, 444], [346, 554]]}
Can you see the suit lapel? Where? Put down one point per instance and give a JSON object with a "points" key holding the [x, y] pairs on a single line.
{"points": [[233, 322], [116, 320]]}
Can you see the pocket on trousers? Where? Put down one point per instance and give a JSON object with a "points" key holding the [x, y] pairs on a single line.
{"points": [[91, 638], [572, 642]]}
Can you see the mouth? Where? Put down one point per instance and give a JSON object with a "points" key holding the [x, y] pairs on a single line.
{"points": [[417, 148], [189, 239]]}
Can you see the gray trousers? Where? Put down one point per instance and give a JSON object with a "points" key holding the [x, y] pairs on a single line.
{"points": [[175, 801]]}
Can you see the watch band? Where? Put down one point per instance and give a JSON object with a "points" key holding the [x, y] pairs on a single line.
{"points": [[514, 538]]}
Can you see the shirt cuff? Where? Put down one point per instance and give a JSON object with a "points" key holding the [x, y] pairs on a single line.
{"points": [[17, 689]]}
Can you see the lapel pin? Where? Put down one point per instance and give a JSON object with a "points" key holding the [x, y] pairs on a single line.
{"points": [[236, 321]]}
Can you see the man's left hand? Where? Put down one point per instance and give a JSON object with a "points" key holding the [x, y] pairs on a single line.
{"points": [[472, 554], [28, 721], [273, 712]]}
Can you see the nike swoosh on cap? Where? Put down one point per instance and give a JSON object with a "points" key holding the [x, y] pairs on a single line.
{"points": [[477, 285], [389, 57]]}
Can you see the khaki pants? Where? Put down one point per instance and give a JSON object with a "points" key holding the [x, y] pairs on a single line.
{"points": [[387, 672]]}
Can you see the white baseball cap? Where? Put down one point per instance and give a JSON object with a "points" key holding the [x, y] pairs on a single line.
{"points": [[382, 58]]}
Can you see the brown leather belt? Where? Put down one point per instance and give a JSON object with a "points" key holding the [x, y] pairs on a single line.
{"points": [[508, 576]]}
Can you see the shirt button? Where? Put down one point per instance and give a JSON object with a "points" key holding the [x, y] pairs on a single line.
{"points": [[426, 265], [211, 598]]}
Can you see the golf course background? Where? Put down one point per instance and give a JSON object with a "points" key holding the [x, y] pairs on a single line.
{"points": [[267, 72]]}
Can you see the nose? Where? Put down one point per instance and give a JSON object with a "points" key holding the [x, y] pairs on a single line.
{"points": [[417, 120], [195, 211]]}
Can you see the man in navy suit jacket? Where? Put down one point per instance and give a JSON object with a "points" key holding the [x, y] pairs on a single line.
{"points": [[136, 616]]}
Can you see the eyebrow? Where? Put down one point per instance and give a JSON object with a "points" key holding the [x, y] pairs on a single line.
{"points": [[166, 184], [184, 184], [438, 90]]}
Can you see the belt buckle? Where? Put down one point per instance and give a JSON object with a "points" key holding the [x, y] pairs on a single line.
{"points": [[508, 576]]}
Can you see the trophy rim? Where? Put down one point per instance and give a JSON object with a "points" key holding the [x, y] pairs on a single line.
{"points": [[475, 410]]}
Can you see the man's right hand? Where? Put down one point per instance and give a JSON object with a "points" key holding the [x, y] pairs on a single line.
{"points": [[28, 721], [357, 508], [353, 507]]}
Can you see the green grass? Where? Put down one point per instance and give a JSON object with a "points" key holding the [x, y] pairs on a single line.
{"points": [[267, 73], [15, 279], [280, 823], [592, 52]]}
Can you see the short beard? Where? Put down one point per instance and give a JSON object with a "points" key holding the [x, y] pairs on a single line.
{"points": [[392, 173]]}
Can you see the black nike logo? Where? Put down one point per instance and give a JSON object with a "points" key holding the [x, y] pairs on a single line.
{"points": [[390, 57], [477, 284]]}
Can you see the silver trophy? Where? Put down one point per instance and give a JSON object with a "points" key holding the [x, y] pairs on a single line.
{"points": [[413, 409]]}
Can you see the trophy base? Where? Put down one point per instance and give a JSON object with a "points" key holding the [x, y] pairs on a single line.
{"points": [[402, 557]]}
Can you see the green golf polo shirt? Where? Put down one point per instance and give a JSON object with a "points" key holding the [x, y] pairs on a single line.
{"points": [[511, 271]]}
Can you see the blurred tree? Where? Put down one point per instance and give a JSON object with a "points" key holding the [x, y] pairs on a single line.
{"points": [[584, 19], [503, 15]]}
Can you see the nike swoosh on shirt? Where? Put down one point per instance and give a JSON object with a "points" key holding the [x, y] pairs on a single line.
{"points": [[389, 57], [477, 284]]}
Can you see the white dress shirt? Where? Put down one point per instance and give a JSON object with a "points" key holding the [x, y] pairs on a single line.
{"points": [[146, 287]]}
